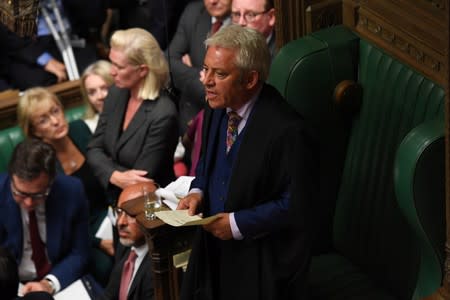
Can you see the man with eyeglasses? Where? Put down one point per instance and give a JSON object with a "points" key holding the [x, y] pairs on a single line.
{"points": [[256, 14], [131, 275], [44, 219]]}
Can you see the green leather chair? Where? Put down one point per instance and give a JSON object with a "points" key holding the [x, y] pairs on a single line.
{"points": [[10, 137], [379, 217]]}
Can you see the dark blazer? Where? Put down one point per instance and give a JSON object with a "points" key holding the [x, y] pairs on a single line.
{"points": [[14, 48], [192, 30], [159, 17], [66, 209], [142, 285], [274, 153], [148, 143]]}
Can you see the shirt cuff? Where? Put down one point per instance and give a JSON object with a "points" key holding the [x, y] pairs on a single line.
{"points": [[237, 235], [55, 282], [196, 190], [43, 59]]}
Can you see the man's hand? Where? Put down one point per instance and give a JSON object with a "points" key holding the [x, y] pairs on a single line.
{"points": [[37, 286], [56, 68], [192, 202], [220, 227], [124, 179]]}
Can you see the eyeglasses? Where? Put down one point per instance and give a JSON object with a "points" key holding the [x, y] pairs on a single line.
{"points": [[34, 196], [119, 212], [249, 16], [44, 120]]}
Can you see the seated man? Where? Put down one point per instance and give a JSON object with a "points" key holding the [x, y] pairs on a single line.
{"points": [[259, 15], [131, 277], [44, 219]]}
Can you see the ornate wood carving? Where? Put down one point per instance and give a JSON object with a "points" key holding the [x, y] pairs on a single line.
{"points": [[413, 31]]}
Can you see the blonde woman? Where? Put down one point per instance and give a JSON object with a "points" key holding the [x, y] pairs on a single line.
{"points": [[95, 82], [137, 132], [41, 115]]}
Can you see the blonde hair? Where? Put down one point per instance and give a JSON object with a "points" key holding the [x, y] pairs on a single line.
{"points": [[252, 53], [101, 68], [29, 102], [140, 47]]}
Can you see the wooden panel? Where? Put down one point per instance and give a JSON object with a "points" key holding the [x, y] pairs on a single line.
{"points": [[414, 31], [68, 92], [296, 18], [322, 15]]}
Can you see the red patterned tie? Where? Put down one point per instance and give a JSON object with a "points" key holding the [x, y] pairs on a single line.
{"points": [[232, 129], [38, 248], [215, 27], [127, 273]]}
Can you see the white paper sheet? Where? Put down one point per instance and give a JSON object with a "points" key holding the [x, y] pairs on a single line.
{"points": [[105, 231], [75, 291], [175, 190], [181, 218]]}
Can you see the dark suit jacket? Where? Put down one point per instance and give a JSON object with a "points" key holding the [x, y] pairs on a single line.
{"points": [[142, 285], [66, 210], [147, 144], [274, 153], [14, 48], [159, 17], [192, 30]]}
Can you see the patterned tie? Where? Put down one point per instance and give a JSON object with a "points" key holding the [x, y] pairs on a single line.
{"points": [[127, 273], [215, 27], [38, 248], [232, 129]]}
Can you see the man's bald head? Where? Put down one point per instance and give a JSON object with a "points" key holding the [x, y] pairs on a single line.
{"points": [[134, 191]]}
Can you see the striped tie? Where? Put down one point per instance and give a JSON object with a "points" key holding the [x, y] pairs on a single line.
{"points": [[232, 129]]}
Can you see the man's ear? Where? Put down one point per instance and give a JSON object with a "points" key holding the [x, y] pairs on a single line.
{"points": [[251, 79]]}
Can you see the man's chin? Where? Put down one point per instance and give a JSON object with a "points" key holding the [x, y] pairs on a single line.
{"points": [[126, 242]]}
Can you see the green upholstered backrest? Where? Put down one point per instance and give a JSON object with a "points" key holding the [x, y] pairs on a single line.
{"points": [[368, 225], [420, 189], [306, 72], [10, 137]]}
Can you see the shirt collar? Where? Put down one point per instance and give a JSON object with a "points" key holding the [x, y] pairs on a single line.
{"points": [[245, 110], [225, 21], [141, 250]]}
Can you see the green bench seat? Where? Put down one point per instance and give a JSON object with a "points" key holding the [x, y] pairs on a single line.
{"points": [[10, 137]]}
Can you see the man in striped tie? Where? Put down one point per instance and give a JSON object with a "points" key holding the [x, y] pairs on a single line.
{"points": [[44, 219], [254, 174]]}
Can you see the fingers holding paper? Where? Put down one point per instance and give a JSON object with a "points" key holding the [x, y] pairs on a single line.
{"points": [[192, 203], [220, 227]]}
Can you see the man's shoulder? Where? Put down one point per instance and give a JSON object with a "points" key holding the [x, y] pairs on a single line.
{"points": [[4, 186], [195, 7], [277, 106]]}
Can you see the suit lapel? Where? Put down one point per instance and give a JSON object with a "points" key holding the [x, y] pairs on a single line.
{"points": [[115, 121], [213, 137], [52, 213], [136, 122]]}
